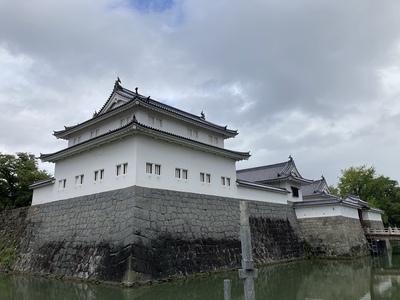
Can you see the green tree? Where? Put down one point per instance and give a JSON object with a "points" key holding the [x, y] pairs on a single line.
{"points": [[17, 173], [379, 191], [356, 181], [334, 190]]}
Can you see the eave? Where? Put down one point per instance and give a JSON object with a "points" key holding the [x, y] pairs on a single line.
{"points": [[302, 181], [318, 196], [319, 203], [262, 187], [134, 99], [42, 182], [135, 127], [374, 209]]}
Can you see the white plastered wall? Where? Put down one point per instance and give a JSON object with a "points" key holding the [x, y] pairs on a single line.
{"points": [[249, 193], [326, 211], [171, 156], [178, 127], [42, 194], [371, 216], [137, 150], [106, 157]]}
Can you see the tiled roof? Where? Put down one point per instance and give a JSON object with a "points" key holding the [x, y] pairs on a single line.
{"points": [[263, 186], [42, 182], [131, 96], [329, 201], [322, 199], [271, 173], [316, 187], [135, 126], [356, 199]]}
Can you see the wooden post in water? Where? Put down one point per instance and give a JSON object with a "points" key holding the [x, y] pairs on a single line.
{"points": [[248, 273]]}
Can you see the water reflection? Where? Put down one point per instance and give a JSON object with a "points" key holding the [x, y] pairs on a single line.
{"points": [[367, 278]]}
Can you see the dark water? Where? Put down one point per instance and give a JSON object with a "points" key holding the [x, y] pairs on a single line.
{"points": [[361, 279]]}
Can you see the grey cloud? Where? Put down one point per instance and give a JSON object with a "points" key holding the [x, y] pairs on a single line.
{"points": [[248, 65]]}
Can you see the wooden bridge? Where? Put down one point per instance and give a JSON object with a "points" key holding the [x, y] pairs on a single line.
{"points": [[390, 233]]}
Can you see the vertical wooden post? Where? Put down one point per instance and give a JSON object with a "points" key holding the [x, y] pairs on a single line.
{"points": [[227, 289], [248, 273]]}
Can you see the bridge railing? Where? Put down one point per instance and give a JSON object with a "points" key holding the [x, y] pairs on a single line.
{"points": [[382, 231]]}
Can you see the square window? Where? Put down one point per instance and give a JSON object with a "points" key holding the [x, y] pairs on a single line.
{"points": [[202, 177], [295, 191], [193, 133], [98, 175], [79, 180], [226, 181], [122, 169], [157, 169], [62, 184], [181, 173], [77, 140], [125, 168], [94, 133]]}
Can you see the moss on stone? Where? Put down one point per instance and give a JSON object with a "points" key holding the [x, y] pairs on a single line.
{"points": [[7, 255]]}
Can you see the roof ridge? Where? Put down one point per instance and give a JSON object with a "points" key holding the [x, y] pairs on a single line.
{"points": [[261, 167], [118, 89]]}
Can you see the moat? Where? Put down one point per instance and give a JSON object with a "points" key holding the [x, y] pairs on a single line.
{"points": [[365, 278]]}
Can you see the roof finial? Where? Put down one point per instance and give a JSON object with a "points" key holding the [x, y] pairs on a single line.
{"points": [[136, 89], [117, 84], [290, 158], [203, 115]]}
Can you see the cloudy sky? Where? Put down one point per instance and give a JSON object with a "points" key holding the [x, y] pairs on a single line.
{"points": [[318, 80]]}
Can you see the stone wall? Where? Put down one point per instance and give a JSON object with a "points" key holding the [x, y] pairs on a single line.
{"points": [[12, 226], [373, 224], [138, 234], [334, 237]]}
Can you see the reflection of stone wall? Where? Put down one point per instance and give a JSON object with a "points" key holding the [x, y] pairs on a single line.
{"points": [[137, 234], [338, 279], [315, 279], [307, 279], [334, 237]]}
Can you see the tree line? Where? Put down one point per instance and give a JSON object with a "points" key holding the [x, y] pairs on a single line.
{"points": [[378, 190], [19, 171]]}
